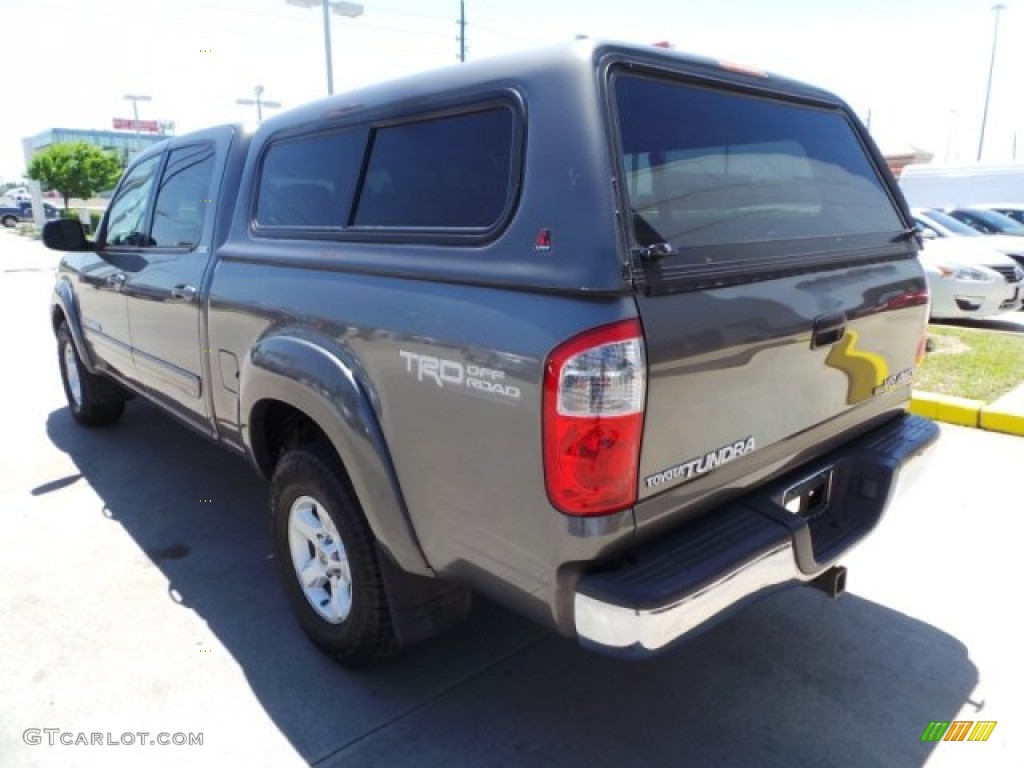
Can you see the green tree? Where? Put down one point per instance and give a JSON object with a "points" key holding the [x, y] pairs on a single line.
{"points": [[75, 169]]}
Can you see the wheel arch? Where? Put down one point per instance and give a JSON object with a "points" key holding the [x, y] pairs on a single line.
{"points": [[294, 388], [64, 309]]}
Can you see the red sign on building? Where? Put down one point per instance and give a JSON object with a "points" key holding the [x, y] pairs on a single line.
{"points": [[144, 126]]}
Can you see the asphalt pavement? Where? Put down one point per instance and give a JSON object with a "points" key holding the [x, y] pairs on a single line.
{"points": [[138, 595]]}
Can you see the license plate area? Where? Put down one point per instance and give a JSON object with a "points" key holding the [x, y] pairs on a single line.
{"points": [[810, 498]]}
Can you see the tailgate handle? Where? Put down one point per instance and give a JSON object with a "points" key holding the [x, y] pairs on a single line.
{"points": [[828, 329]]}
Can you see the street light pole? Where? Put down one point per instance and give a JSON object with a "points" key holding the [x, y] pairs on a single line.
{"points": [[998, 8], [135, 99], [327, 50], [341, 8], [260, 103]]}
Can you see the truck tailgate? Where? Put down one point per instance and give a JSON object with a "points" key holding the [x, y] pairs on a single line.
{"points": [[736, 370]]}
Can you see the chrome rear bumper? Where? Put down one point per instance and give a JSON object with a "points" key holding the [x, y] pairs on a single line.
{"points": [[750, 547]]}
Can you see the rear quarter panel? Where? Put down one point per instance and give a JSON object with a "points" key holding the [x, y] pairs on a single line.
{"points": [[467, 455]]}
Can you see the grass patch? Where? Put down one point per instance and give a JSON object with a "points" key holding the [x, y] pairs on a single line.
{"points": [[980, 365]]}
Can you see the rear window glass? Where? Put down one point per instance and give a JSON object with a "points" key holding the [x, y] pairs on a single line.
{"points": [[183, 197], [711, 168], [449, 172], [308, 181]]}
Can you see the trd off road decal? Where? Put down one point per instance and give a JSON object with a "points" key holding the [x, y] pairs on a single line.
{"points": [[452, 373], [702, 464]]}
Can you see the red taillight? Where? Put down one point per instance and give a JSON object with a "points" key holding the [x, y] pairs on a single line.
{"points": [[594, 388]]}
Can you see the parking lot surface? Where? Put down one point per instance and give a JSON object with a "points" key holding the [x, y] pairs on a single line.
{"points": [[138, 595]]}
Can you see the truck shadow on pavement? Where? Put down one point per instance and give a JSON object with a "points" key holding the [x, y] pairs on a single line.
{"points": [[793, 680]]}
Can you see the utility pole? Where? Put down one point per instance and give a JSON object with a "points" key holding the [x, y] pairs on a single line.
{"points": [[998, 8], [462, 30]]}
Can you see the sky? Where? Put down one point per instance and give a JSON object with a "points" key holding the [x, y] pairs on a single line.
{"points": [[916, 68]]}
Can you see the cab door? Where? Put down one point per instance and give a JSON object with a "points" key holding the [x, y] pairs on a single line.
{"points": [[164, 296], [103, 275]]}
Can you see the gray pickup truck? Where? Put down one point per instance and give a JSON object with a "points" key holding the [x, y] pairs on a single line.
{"points": [[618, 337]]}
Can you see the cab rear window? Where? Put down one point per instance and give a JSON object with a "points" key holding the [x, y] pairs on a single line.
{"points": [[451, 172], [442, 175], [707, 167]]}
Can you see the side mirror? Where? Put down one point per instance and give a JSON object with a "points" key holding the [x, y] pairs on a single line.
{"points": [[927, 234], [66, 235]]}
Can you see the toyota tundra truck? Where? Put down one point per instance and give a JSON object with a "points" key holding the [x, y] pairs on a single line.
{"points": [[619, 337]]}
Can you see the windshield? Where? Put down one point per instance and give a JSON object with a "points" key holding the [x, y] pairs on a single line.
{"points": [[946, 221], [1013, 213], [708, 167]]}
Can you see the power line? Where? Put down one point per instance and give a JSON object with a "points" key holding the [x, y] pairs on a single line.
{"points": [[163, 21], [527, 21], [502, 33], [403, 12]]}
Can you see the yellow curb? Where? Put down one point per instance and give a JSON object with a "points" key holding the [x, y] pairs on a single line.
{"points": [[952, 410], [998, 420]]}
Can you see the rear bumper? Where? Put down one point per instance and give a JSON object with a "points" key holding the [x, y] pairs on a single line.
{"points": [[712, 566]]}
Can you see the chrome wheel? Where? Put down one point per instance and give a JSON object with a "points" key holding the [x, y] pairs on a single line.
{"points": [[71, 374], [319, 559]]}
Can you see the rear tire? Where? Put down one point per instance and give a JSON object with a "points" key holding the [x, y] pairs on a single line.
{"points": [[9, 221], [86, 392], [327, 558]]}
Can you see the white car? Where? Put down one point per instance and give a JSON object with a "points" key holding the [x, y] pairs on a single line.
{"points": [[966, 281], [938, 224]]}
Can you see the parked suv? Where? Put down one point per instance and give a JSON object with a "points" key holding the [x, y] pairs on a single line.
{"points": [[619, 337]]}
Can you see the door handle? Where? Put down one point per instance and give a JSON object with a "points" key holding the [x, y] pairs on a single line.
{"points": [[183, 292], [116, 280], [828, 329]]}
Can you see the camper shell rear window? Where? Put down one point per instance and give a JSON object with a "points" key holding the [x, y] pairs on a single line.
{"points": [[710, 168]]}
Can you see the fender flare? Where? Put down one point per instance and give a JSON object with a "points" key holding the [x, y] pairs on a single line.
{"points": [[325, 382], [64, 302]]}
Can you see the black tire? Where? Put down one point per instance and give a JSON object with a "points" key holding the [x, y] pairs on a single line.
{"points": [[365, 634], [9, 221], [93, 403]]}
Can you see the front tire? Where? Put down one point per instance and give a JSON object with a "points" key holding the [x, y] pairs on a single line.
{"points": [[327, 558], [84, 391]]}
